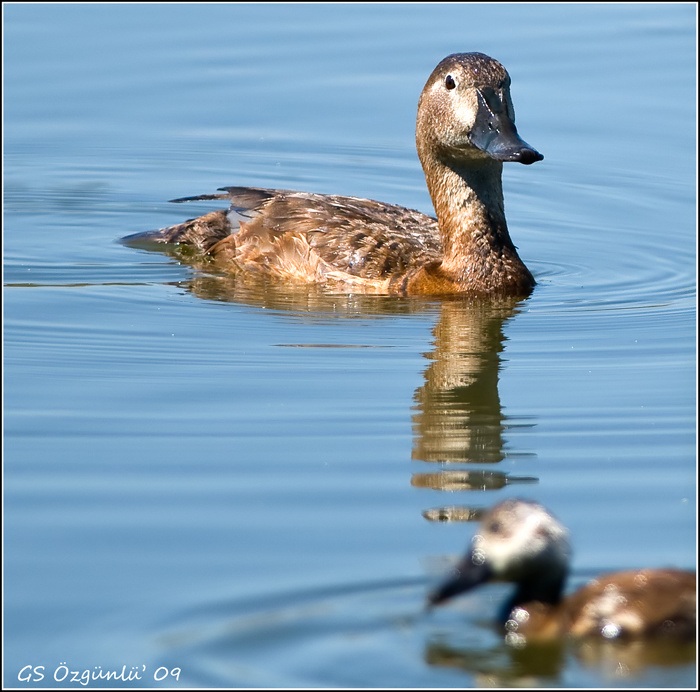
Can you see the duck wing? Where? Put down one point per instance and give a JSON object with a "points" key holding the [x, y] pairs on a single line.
{"points": [[309, 236]]}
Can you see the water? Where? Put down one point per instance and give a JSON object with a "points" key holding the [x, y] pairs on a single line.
{"points": [[249, 485]]}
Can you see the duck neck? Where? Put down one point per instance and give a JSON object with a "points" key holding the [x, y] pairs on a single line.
{"points": [[468, 201], [548, 591]]}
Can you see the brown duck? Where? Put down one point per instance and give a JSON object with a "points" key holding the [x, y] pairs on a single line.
{"points": [[522, 543], [465, 131]]}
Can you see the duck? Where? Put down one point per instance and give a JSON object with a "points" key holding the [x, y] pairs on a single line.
{"points": [[465, 131], [521, 542]]}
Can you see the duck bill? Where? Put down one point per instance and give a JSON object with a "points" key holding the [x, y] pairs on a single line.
{"points": [[495, 134], [470, 573]]}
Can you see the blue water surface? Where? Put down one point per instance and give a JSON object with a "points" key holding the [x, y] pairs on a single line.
{"points": [[210, 484]]}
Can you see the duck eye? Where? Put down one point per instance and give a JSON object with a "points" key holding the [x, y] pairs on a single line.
{"points": [[495, 526], [450, 82]]}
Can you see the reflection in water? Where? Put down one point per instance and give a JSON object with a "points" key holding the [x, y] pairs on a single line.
{"points": [[458, 416], [622, 659], [466, 480], [457, 413], [537, 664], [458, 410], [500, 665], [457, 419], [451, 480]]}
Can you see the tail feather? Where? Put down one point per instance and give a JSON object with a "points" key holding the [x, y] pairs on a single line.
{"points": [[201, 233], [249, 198], [199, 198]]}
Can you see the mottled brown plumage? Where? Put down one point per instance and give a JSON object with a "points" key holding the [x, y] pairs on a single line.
{"points": [[521, 542], [465, 130]]}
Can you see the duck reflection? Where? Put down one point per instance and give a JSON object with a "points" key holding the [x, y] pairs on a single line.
{"points": [[457, 415], [541, 664], [501, 665], [458, 410]]}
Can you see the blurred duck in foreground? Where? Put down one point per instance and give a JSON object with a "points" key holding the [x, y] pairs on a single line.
{"points": [[522, 543], [465, 130]]}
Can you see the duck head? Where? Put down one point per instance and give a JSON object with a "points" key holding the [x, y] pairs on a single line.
{"points": [[465, 113], [519, 542]]}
